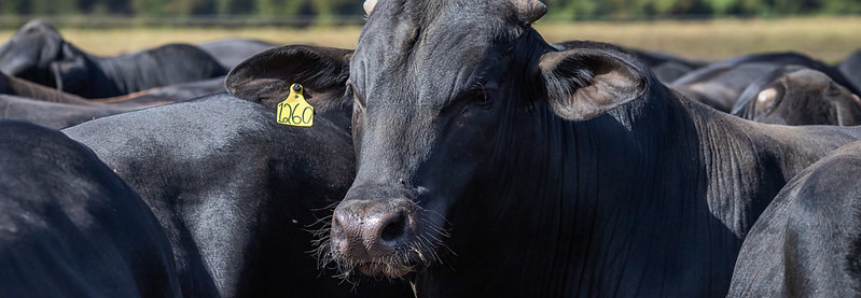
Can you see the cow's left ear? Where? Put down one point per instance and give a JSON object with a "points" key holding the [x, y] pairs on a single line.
{"points": [[266, 78], [586, 82]]}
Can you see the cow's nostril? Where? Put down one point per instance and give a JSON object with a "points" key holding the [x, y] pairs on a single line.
{"points": [[394, 228]]}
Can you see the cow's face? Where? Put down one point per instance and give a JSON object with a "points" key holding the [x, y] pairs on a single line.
{"points": [[795, 95], [436, 87]]}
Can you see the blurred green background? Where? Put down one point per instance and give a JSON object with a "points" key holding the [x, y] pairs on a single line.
{"points": [[700, 29], [559, 9]]}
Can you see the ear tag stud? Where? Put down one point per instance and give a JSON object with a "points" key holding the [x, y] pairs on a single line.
{"points": [[295, 111]]}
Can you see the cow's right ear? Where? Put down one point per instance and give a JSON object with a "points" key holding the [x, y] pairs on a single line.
{"points": [[266, 78], [583, 83]]}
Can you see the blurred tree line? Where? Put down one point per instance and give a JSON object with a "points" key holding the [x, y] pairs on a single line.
{"points": [[182, 7], [559, 9]]}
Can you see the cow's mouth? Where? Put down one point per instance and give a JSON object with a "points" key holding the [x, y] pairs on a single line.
{"points": [[393, 266], [379, 270]]}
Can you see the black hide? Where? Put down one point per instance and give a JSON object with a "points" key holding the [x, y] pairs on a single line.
{"points": [[491, 164], [719, 84], [38, 53], [796, 95], [219, 173], [851, 69], [52, 114], [10, 85], [69, 227], [807, 243], [230, 52]]}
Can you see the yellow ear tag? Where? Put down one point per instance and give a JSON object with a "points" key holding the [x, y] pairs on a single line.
{"points": [[294, 110]]}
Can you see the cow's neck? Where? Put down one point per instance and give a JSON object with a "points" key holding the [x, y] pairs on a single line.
{"points": [[614, 206], [749, 162], [117, 73], [126, 74]]}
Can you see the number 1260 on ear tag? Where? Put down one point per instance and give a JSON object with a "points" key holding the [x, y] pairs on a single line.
{"points": [[294, 110]]}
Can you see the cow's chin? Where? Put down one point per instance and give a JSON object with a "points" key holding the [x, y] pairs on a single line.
{"points": [[377, 270]]}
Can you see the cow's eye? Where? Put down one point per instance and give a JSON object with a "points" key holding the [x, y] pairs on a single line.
{"points": [[482, 97]]}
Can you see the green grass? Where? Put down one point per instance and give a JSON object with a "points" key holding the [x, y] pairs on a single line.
{"points": [[829, 39]]}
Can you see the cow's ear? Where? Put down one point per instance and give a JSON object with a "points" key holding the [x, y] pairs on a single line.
{"points": [[585, 83], [266, 78]]}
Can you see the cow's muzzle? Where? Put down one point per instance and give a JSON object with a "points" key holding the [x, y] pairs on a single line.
{"points": [[375, 236]]}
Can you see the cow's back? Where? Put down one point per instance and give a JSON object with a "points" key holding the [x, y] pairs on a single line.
{"points": [[806, 241], [69, 227], [162, 66], [52, 114]]}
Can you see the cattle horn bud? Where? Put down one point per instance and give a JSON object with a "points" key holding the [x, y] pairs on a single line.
{"points": [[529, 10], [369, 6]]}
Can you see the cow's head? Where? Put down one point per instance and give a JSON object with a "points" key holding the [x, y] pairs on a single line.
{"points": [[442, 90], [38, 53], [796, 95]]}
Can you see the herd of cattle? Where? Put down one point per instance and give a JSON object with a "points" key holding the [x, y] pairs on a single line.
{"points": [[454, 153]]}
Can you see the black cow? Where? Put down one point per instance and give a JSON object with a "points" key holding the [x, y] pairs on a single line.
{"points": [[220, 173], [38, 53], [10, 85], [167, 94], [52, 114], [22, 100], [806, 243], [230, 52], [667, 67], [490, 164], [719, 84], [796, 95], [851, 68], [160, 95], [69, 227]]}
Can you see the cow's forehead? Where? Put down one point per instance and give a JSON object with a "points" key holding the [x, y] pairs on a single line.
{"points": [[434, 45], [439, 14]]}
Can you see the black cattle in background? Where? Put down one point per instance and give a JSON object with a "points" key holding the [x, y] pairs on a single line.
{"points": [[230, 52], [167, 94], [10, 85], [38, 53], [220, 173], [796, 95], [26, 101], [719, 84], [851, 68], [490, 164], [666, 67], [806, 243], [52, 114], [70, 227]]}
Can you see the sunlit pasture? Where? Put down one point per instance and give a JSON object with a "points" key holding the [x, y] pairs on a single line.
{"points": [[826, 38]]}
